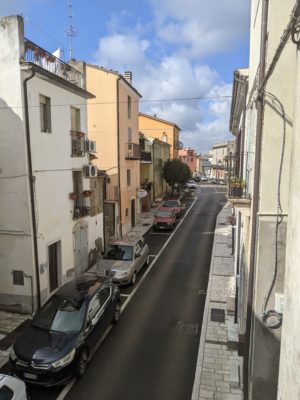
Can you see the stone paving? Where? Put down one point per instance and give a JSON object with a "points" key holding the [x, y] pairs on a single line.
{"points": [[8, 322], [218, 371]]}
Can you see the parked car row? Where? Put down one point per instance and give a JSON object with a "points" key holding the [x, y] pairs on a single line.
{"points": [[62, 334]]}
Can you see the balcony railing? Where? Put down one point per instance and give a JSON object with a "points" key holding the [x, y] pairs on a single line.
{"points": [[132, 151], [78, 144], [145, 156], [238, 190], [39, 56], [112, 193]]}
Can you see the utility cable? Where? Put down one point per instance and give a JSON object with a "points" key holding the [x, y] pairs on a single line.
{"points": [[272, 313]]}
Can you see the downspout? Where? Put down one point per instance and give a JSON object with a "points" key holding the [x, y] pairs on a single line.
{"points": [[31, 189], [255, 199], [243, 132], [119, 167]]}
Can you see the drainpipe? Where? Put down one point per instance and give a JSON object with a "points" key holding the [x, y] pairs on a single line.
{"points": [[255, 199], [243, 132], [31, 189], [119, 167]]}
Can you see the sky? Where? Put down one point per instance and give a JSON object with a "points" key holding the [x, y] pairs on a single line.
{"points": [[182, 53]]}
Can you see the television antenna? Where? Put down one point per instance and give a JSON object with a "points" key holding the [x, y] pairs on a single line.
{"points": [[70, 31]]}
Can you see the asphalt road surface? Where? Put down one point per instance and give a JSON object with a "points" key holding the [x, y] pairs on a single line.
{"points": [[151, 354]]}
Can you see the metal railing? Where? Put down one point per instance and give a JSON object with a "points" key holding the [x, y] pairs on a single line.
{"points": [[78, 143], [145, 156], [37, 55]]}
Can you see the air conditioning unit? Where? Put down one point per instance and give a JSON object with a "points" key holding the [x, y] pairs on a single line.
{"points": [[91, 146], [90, 171]]}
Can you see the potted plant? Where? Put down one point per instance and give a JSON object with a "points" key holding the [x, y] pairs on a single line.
{"points": [[87, 193], [73, 196]]}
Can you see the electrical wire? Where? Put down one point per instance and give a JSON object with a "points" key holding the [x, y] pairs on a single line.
{"points": [[271, 313], [120, 102]]}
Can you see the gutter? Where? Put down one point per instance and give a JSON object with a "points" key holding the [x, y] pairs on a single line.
{"points": [[118, 144], [31, 189], [255, 199]]}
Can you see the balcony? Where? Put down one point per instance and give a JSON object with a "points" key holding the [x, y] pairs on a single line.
{"points": [[37, 55], [132, 151], [145, 157], [78, 144], [81, 211], [178, 145], [112, 193], [238, 194]]}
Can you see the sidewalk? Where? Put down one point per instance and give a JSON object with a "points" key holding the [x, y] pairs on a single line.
{"points": [[219, 368]]}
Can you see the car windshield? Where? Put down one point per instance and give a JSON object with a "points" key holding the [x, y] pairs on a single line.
{"points": [[119, 252], [60, 315], [163, 213], [171, 203]]}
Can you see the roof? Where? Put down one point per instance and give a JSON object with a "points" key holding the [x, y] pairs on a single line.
{"points": [[110, 71], [84, 286], [159, 119], [55, 79]]}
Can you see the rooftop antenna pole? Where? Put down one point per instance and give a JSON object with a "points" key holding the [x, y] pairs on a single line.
{"points": [[70, 31]]}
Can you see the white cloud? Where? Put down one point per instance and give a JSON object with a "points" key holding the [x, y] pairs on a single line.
{"points": [[200, 27], [121, 51]]}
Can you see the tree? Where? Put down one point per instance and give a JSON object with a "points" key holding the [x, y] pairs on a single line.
{"points": [[176, 172]]}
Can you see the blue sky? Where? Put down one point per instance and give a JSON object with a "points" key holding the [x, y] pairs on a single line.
{"points": [[176, 50]]}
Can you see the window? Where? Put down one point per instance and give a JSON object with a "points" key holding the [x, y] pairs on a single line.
{"points": [[129, 135], [104, 295], [128, 178], [75, 119], [45, 114], [6, 393], [129, 106], [94, 307]]}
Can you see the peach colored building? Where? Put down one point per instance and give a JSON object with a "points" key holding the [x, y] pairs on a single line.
{"points": [[113, 124], [189, 157], [163, 130]]}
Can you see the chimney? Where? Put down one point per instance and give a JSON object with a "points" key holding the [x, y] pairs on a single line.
{"points": [[128, 76]]}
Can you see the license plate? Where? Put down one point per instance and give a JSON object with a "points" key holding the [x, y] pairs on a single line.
{"points": [[29, 376]]}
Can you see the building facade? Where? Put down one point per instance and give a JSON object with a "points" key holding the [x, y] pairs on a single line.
{"points": [[262, 120], [51, 198], [189, 157], [113, 125], [165, 131]]}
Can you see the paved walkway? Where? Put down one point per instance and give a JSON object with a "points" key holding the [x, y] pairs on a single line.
{"points": [[219, 367]]}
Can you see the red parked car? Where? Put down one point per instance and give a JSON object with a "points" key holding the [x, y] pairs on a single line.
{"points": [[175, 204], [164, 218]]}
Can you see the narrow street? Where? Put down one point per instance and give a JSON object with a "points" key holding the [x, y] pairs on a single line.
{"points": [[151, 353]]}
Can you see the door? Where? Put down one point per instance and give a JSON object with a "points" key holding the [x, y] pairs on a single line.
{"points": [[54, 262], [99, 316], [80, 249], [109, 218], [132, 212]]}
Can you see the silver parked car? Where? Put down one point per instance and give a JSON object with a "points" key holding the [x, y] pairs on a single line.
{"points": [[123, 260], [12, 388]]}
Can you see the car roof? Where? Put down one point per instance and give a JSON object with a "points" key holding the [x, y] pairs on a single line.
{"points": [[128, 240], [82, 287], [162, 208]]}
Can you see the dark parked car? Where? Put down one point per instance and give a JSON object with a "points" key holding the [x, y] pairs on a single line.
{"points": [[57, 343], [164, 218]]}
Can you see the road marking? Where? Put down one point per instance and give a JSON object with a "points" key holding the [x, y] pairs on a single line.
{"points": [[124, 295], [156, 257], [69, 386]]}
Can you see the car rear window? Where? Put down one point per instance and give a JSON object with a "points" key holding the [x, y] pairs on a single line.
{"points": [[166, 213], [6, 393]]}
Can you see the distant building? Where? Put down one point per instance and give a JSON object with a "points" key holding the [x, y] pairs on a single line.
{"points": [[189, 157], [223, 160], [163, 130]]}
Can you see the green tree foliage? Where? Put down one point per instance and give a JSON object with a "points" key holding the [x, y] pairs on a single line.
{"points": [[175, 173]]}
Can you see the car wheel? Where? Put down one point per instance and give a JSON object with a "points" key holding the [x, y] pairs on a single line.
{"points": [[133, 279], [81, 364], [117, 312]]}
